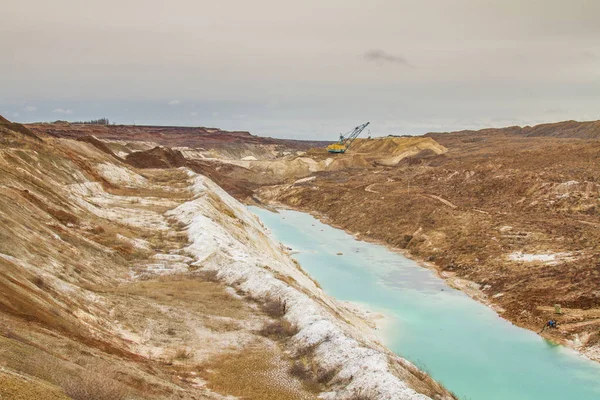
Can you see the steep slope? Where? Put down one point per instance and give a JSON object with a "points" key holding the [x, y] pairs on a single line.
{"points": [[164, 286]]}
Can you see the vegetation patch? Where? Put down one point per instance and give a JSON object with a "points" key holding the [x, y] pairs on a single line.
{"points": [[253, 374], [280, 329]]}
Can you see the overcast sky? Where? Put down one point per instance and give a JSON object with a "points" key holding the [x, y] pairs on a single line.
{"points": [[305, 69]]}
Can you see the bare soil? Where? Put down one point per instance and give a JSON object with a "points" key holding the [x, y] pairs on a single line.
{"points": [[484, 211]]}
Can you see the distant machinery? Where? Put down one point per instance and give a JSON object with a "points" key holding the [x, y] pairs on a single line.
{"points": [[346, 140]]}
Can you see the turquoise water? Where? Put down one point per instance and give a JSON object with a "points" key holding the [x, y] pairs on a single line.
{"points": [[458, 341]]}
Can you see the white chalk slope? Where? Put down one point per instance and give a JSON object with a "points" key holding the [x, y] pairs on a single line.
{"points": [[229, 239]]}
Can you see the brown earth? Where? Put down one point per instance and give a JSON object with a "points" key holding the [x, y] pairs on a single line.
{"points": [[565, 129], [479, 206], [174, 136], [468, 210], [466, 201]]}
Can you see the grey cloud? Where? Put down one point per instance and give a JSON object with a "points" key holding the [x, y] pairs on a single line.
{"points": [[381, 57], [64, 111], [588, 55], [299, 73]]}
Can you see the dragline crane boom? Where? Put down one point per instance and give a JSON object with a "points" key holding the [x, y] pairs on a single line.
{"points": [[346, 140]]}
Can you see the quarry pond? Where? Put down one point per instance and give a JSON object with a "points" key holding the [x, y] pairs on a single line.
{"points": [[460, 342]]}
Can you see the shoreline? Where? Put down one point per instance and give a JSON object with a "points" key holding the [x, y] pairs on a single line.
{"points": [[466, 286]]}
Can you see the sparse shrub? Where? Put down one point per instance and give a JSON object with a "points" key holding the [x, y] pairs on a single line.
{"points": [[181, 238], [275, 308], [279, 329], [229, 212], [419, 369], [97, 230], [300, 371], [94, 384], [38, 281], [305, 374], [360, 395], [171, 331], [309, 350], [326, 375], [209, 276], [183, 353], [306, 351]]}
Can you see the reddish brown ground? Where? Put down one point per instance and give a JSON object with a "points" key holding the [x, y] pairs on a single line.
{"points": [[465, 211], [171, 136]]}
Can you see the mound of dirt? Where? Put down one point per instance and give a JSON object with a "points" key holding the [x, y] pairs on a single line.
{"points": [[158, 157], [392, 150], [164, 157], [348, 161], [97, 144], [566, 129], [12, 130]]}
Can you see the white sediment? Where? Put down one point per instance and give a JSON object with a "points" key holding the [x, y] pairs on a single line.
{"points": [[240, 249]]}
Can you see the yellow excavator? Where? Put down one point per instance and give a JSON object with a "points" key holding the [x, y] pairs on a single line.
{"points": [[346, 140]]}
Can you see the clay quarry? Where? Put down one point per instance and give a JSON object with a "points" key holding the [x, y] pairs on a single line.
{"points": [[131, 267]]}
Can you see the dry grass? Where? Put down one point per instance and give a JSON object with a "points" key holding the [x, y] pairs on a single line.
{"points": [[280, 329], [301, 371], [95, 384], [183, 353], [361, 396], [157, 192], [222, 324], [325, 376], [314, 378], [253, 374], [190, 293], [208, 276], [274, 307], [14, 387], [313, 381]]}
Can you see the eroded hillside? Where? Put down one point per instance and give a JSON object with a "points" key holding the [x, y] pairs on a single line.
{"points": [[199, 141], [118, 282]]}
